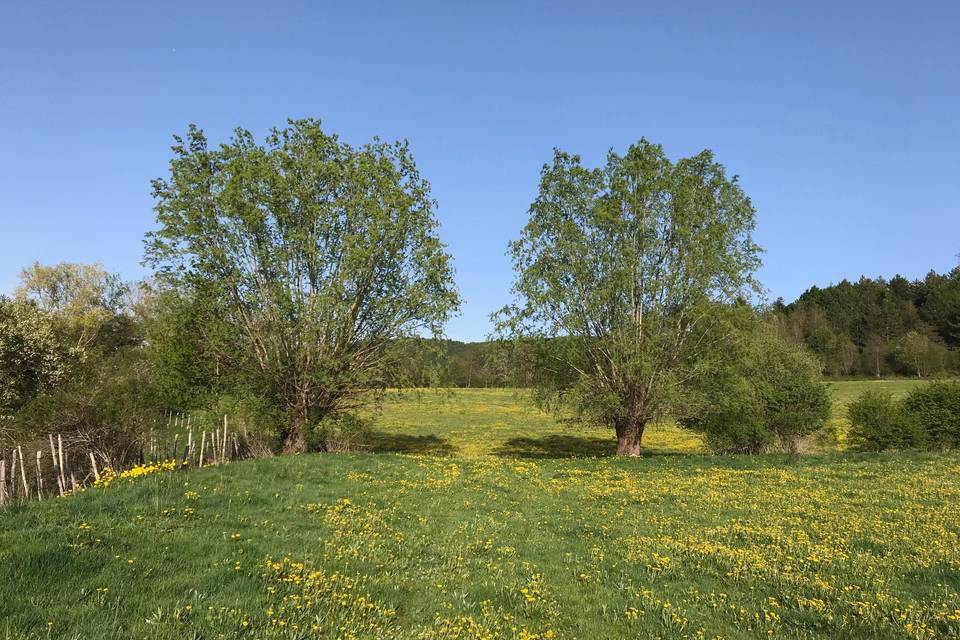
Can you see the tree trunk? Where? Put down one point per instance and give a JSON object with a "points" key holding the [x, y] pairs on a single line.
{"points": [[629, 434], [296, 439]]}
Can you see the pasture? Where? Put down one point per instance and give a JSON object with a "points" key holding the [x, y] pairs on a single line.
{"points": [[476, 518], [479, 422]]}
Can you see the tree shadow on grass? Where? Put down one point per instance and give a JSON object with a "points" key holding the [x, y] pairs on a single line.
{"points": [[556, 446], [565, 446], [381, 442]]}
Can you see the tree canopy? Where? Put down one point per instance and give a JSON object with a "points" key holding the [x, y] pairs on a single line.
{"points": [[877, 327], [34, 355], [626, 262], [85, 297], [313, 253]]}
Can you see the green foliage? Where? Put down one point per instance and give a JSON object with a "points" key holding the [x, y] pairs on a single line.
{"points": [[314, 254], [735, 421], [84, 297], [70, 331], [35, 356], [259, 421], [624, 261], [426, 362], [758, 391], [878, 422], [107, 407], [188, 345], [927, 416], [880, 327], [919, 355], [936, 408], [418, 362]]}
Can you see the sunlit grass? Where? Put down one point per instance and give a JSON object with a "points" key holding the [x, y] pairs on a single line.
{"points": [[479, 422], [504, 535]]}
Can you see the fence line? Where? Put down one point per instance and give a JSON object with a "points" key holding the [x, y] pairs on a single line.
{"points": [[17, 488]]}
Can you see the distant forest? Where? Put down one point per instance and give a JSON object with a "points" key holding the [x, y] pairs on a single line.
{"points": [[878, 327], [868, 328]]}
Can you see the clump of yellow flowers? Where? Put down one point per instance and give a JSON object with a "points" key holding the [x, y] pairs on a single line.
{"points": [[108, 476]]}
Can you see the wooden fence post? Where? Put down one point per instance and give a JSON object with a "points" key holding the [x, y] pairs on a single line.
{"points": [[63, 477], [56, 466], [93, 462], [39, 477], [23, 474]]}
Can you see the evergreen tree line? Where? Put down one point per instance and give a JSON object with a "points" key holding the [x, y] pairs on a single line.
{"points": [[863, 329], [878, 327]]}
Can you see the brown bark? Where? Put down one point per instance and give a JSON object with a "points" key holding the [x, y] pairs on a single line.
{"points": [[296, 438], [629, 435]]}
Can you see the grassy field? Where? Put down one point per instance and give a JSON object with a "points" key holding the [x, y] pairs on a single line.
{"points": [[500, 422], [846, 391], [478, 422], [503, 536]]}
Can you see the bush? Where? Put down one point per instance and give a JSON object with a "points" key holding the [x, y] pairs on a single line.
{"points": [[879, 422], [35, 357], [735, 421], [341, 431], [936, 408], [758, 392], [107, 410], [257, 420]]}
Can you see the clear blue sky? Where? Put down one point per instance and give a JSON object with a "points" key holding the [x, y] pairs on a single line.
{"points": [[842, 119]]}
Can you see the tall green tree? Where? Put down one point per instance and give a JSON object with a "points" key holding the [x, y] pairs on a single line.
{"points": [[919, 354], [317, 253], [627, 262], [939, 304], [86, 298], [845, 355]]}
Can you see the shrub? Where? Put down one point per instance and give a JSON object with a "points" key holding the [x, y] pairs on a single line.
{"points": [[879, 422], [759, 392], [106, 410], [735, 421], [341, 431], [936, 408], [256, 419], [34, 355]]}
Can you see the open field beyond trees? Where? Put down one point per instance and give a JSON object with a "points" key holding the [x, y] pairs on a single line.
{"points": [[503, 535], [473, 422]]}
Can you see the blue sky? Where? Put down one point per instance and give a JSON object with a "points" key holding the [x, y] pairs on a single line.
{"points": [[842, 119]]}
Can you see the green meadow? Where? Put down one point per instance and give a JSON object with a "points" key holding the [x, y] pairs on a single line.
{"points": [[477, 422], [473, 515]]}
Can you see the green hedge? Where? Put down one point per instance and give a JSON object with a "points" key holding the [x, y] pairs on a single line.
{"points": [[928, 417]]}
